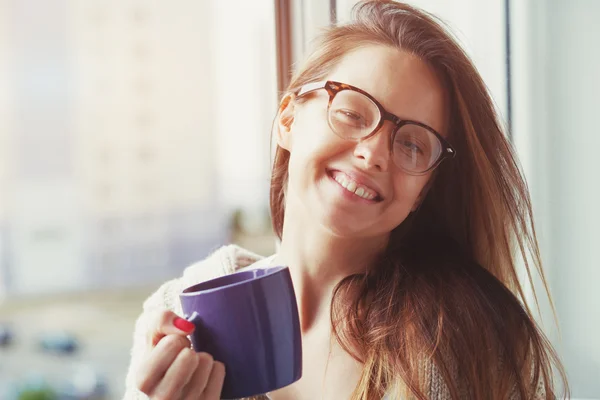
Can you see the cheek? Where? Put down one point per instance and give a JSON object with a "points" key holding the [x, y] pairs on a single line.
{"points": [[407, 188], [314, 140]]}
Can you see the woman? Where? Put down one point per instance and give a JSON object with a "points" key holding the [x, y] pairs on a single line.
{"points": [[399, 204]]}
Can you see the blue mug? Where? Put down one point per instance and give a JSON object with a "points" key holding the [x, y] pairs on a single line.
{"points": [[248, 321]]}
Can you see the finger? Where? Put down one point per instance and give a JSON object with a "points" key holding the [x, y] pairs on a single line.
{"points": [[165, 323], [215, 382], [177, 376], [159, 360], [199, 380]]}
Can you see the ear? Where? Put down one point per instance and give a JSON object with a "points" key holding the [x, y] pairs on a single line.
{"points": [[285, 119]]}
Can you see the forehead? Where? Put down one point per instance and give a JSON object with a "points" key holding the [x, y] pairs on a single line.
{"points": [[400, 81]]}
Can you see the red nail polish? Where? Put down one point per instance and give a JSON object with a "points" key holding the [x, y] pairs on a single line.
{"points": [[183, 324]]}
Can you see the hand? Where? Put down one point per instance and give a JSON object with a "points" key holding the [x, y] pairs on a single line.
{"points": [[172, 369]]}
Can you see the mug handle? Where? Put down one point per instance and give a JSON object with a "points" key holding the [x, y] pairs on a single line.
{"points": [[193, 318]]}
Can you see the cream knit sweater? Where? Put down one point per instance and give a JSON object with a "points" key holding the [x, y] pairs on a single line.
{"points": [[225, 260]]}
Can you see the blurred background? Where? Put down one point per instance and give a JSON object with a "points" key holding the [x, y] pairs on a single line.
{"points": [[135, 139]]}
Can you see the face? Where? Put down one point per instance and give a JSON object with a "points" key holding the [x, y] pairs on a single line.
{"points": [[353, 188]]}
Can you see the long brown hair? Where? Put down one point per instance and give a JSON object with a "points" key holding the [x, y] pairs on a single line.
{"points": [[445, 299]]}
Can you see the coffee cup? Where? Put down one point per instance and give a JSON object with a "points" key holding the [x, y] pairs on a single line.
{"points": [[249, 321]]}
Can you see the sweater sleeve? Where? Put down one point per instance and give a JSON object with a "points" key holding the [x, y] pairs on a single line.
{"points": [[224, 261], [159, 301]]}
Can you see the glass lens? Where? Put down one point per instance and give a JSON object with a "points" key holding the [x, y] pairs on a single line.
{"points": [[353, 115], [416, 149]]}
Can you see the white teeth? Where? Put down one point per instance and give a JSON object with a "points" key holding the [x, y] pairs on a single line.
{"points": [[354, 188], [367, 196]]}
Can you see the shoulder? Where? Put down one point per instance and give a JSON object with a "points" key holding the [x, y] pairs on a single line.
{"points": [[485, 323], [223, 261], [226, 260]]}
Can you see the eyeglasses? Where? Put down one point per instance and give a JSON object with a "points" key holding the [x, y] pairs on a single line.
{"points": [[353, 114]]}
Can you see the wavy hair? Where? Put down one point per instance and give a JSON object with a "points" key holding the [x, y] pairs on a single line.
{"points": [[446, 293]]}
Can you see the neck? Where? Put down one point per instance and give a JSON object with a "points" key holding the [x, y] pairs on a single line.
{"points": [[318, 261]]}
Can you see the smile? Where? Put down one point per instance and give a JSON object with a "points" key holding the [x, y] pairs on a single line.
{"points": [[354, 187]]}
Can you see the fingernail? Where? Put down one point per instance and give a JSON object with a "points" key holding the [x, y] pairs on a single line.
{"points": [[183, 325]]}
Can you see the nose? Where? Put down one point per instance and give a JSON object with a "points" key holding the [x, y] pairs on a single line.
{"points": [[374, 152]]}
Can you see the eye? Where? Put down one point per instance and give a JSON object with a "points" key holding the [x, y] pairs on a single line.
{"points": [[351, 114], [409, 145], [350, 117]]}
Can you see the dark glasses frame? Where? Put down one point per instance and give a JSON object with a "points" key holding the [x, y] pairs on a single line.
{"points": [[333, 88]]}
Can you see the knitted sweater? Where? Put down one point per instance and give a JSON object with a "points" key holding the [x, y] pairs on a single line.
{"points": [[226, 260]]}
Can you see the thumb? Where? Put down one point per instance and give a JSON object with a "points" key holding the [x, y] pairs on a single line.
{"points": [[168, 323]]}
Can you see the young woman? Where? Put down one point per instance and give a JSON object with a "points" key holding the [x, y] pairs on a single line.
{"points": [[399, 205]]}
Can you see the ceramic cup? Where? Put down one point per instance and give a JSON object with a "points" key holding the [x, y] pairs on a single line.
{"points": [[248, 321]]}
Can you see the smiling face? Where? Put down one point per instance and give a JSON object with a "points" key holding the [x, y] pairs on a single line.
{"points": [[354, 188]]}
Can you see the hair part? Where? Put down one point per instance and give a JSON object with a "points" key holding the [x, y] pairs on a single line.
{"points": [[446, 292]]}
